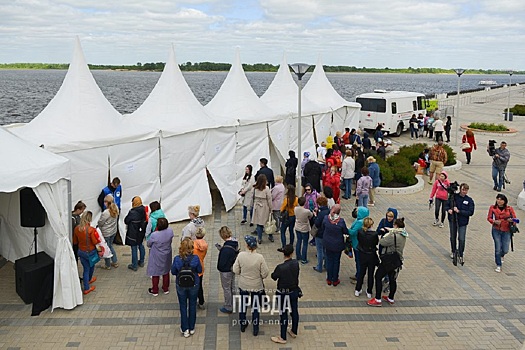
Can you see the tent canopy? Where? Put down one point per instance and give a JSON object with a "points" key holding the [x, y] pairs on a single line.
{"points": [[237, 101], [48, 175], [171, 106], [79, 116]]}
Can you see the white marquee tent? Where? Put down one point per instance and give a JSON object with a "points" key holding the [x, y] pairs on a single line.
{"points": [[48, 175], [236, 101], [191, 143], [338, 113], [80, 124]]}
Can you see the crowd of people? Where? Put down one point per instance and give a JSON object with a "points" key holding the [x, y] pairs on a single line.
{"points": [[342, 169]]}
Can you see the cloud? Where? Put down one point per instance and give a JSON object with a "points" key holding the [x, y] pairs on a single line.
{"points": [[395, 33]]}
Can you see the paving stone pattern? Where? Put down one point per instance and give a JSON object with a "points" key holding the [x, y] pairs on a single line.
{"points": [[438, 305]]}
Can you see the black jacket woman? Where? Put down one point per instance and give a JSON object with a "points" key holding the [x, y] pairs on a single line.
{"points": [[136, 231]]}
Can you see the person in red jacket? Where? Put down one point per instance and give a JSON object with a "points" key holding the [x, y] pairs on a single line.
{"points": [[501, 217], [87, 238], [333, 179], [469, 138]]}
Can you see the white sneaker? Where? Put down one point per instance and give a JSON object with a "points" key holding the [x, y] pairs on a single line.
{"points": [[441, 225], [369, 295], [498, 269], [357, 293], [436, 222], [452, 255], [192, 332], [502, 260], [186, 334]]}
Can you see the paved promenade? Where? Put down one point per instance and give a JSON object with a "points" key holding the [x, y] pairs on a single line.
{"points": [[438, 305]]}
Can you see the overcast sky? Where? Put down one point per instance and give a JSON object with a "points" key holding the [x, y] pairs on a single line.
{"points": [[488, 34]]}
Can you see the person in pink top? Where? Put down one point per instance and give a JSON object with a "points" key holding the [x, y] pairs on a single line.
{"points": [[440, 193], [277, 199]]}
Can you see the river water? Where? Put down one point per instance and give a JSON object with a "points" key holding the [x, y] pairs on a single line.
{"points": [[25, 93]]}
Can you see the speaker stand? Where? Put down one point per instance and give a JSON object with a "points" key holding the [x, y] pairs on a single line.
{"points": [[35, 240]]}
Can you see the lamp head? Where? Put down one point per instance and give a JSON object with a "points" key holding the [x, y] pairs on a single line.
{"points": [[299, 69], [459, 71]]}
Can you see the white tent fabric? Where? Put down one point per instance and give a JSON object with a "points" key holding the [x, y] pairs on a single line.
{"points": [[80, 124], [343, 113], [48, 175], [172, 108], [236, 101]]}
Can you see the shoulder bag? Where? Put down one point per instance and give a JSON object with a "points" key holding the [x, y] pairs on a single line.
{"points": [[92, 255], [313, 231], [391, 260], [269, 227]]}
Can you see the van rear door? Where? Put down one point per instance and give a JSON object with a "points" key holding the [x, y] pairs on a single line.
{"points": [[372, 112]]}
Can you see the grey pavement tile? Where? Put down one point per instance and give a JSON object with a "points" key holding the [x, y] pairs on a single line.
{"points": [[489, 329], [13, 348], [442, 334], [392, 339], [310, 328], [511, 274], [131, 339], [73, 344], [506, 288], [338, 344]]}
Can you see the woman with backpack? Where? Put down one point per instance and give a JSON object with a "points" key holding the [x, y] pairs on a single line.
{"points": [[501, 217], [186, 267]]}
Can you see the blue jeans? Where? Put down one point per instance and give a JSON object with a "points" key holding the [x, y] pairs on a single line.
{"points": [[414, 131], [259, 229], [291, 307], [301, 249], [501, 244], [140, 248], [455, 234], [88, 270], [290, 224], [113, 259], [320, 253], [348, 187], [245, 212], [363, 200], [357, 262], [188, 306], [495, 172], [255, 299], [333, 262]]}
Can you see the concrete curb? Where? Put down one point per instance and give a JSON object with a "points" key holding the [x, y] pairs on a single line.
{"points": [[511, 132], [403, 190], [417, 187]]}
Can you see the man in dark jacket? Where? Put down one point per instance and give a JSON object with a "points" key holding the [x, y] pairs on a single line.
{"points": [[263, 162], [500, 160], [227, 255], [291, 168], [287, 276], [460, 208], [312, 175]]}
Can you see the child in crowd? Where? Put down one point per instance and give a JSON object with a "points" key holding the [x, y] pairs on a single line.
{"points": [[227, 255], [200, 248]]}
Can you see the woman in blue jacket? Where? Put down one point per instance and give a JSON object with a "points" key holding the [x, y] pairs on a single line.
{"points": [[334, 227], [373, 169]]}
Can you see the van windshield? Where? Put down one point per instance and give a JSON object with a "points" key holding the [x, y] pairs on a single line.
{"points": [[372, 104]]}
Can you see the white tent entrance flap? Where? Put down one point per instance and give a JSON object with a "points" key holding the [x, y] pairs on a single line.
{"points": [[183, 174], [220, 162], [252, 144]]}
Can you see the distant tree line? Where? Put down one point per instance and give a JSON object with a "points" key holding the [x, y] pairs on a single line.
{"points": [[257, 67]]}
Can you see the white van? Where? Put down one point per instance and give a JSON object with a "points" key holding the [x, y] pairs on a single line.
{"points": [[392, 109]]}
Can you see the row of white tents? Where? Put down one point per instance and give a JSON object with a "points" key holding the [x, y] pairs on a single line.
{"points": [[167, 150]]}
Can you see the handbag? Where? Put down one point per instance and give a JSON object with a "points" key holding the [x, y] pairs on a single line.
{"points": [[299, 292], [92, 255], [465, 145], [391, 260], [269, 227], [313, 231]]}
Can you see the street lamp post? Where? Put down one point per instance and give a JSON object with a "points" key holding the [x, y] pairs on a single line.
{"points": [[300, 70], [508, 101], [459, 72]]}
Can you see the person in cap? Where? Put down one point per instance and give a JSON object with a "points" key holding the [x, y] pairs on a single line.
{"points": [[251, 268], [287, 276]]}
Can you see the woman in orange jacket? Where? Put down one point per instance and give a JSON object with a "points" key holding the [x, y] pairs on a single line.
{"points": [[87, 238]]}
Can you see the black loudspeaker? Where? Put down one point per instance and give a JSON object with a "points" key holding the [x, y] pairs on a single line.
{"points": [[30, 275], [32, 213]]}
